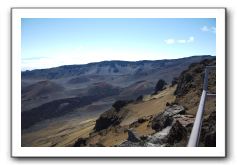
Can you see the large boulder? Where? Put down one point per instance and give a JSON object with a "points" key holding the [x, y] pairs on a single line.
{"points": [[176, 133], [160, 137], [185, 120], [174, 109], [166, 118], [161, 121], [173, 135], [160, 85], [113, 116], [107, 119]]}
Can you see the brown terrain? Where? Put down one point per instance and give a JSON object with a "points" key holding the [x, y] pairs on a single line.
{"points": [[119, 104]]}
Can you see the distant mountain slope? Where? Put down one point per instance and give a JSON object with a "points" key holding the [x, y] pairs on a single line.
{"points": [[137, 68], [40, 88], [56, 92], [132, 78]]}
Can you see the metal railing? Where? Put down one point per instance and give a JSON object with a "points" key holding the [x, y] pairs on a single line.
{"points": [[197, 126]]}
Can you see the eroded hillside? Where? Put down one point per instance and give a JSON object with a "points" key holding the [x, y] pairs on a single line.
{"points": [[60, 105], [163, 118]]}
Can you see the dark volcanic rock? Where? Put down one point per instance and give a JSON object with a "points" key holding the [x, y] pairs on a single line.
{"points": [[133, 137], [177, 133], [159, 137], [161, 121], [174, 110], [121, 103], [174, 81], [107, 119], [160, 85], [173, 135], [166, 118], [111, 117], [81, 142]]}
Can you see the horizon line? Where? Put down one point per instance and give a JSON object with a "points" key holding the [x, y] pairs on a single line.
{"points": [[28, 70]]}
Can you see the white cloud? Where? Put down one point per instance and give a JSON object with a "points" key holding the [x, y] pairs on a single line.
{"points": [[190, 39], [170, 41], [205, 29], [208, 29], [179, 41]]}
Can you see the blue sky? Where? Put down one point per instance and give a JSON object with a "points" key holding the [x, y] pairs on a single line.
{"points": [[51, 42]]}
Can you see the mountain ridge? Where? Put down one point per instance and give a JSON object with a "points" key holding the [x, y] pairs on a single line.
{"points": [[81, 68], [119, 61]]}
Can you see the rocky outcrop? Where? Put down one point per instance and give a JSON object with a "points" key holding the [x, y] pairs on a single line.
{"points": [[160, 85], [185, 120], [121, 103], [111, 117], [176, 133], [107, 119], [166, 118], [190, 86], [169, 136], [174, 110], [191, 80], [171, 129], [161, 121], [160, 137]]}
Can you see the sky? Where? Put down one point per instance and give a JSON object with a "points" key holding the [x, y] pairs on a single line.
{"points": [[52, 42]]}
